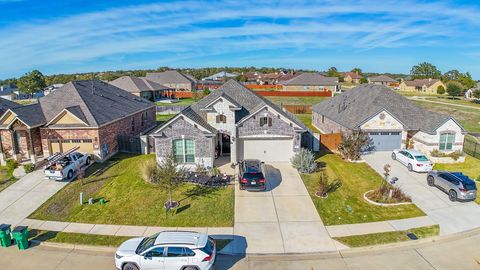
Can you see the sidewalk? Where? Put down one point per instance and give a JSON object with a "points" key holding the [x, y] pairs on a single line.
{"points": [[120, 230], [379, 227]]}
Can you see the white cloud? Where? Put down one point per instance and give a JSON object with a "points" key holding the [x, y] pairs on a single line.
{"points": [[190, 29]]}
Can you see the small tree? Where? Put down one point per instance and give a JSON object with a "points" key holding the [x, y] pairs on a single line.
{"points": [[31, 82], [353, 144], [476, 93], [363, 80], [206, 92], [304, 161], [168, 175], [454, 89], [441, 90]]}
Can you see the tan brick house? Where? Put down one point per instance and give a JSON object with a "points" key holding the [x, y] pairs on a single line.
{"points": [[142, 87], [312, 82], [426, 86], [173, 79], [89, 114]]}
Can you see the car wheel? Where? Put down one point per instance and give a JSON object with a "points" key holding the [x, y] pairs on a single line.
{"points": [[130, 266], [452, 195], [410, 168], [190, 268], [69, 174], [431, 181], [394, 157]]}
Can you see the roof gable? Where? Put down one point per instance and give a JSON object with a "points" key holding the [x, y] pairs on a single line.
{"points": [[311, 79]]}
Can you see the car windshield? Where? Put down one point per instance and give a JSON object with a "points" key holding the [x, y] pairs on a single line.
{"points": [[252, 176], [146, 243], [421, 158]]}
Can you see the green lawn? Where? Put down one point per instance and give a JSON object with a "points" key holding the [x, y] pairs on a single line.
{"points": [[6, 177], [132, 201], [91, 239], [411, 94], [164, 117], [182, 102], [454, 101], [346, 204], [296, 100], [388, 237], [469, 118], [307, 120]]}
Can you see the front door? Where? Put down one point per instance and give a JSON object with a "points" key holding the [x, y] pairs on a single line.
{"points": [[225, 144]]}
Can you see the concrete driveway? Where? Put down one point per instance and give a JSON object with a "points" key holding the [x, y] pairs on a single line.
{"points": [[23, 197], [282, 219], [451, 216]]}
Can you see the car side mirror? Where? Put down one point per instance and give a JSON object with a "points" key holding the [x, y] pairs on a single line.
{"points": [[147, 256]]}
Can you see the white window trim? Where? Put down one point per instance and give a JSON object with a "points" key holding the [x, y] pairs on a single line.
{"points": [[184, 155]]}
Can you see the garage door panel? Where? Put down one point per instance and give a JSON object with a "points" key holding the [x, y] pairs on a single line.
{"points": [[85, 145], [386, 141], [266, 149]]}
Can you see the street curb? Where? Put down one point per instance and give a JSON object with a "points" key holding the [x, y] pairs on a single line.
{"points": [[105, 249]]}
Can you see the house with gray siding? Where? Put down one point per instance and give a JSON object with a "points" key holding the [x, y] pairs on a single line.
{"points": [[390, 120], [232, 122]]}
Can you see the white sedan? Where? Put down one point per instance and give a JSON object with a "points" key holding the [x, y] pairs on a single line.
{"points": [[414, 160]]}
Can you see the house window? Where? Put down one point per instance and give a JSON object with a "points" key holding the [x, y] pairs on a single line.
{"points": [[265, 121], [221, 118], [446, 141], [184, 151], [133, 123], [144, 118]]}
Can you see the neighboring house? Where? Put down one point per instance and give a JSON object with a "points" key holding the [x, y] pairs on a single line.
{"points": [[426, 86], [270, 78], [382, 80], [90, 114], [220, 76], [173, 79], [7, 91], [469, 92], [142, 87], [312, 82], [232, 121], [390, 120], [252, 77], [351, 77], [51, 88]]}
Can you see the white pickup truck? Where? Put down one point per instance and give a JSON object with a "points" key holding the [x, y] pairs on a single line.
{"points": [[67, 167]]}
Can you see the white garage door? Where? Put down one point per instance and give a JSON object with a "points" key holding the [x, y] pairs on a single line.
{"points": [[386, 141], [265, 149]]}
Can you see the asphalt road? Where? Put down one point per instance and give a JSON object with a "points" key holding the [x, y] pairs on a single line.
{"points": [[452, 252]]}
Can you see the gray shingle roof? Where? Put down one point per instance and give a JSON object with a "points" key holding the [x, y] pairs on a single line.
{"points": [[31, 115], [98, 101], [6, 104], [312, 79], [249, 101], [422, 82], [354, 107], [134, 84], [170, 76]]}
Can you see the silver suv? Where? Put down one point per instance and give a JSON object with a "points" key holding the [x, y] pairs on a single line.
{"points": [[456, 184]]}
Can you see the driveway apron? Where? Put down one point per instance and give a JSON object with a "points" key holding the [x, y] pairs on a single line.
{"points": [[451, 216], [282, 219], [23, 197]]}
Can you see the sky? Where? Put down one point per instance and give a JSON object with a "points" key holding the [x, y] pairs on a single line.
{"points": [[378, 36]]}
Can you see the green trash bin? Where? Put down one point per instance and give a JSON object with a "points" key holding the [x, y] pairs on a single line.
{"points": [[20, 234], [5, 238]]}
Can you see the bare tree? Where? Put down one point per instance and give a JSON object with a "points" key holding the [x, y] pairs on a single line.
{"points": [[168, 175]]}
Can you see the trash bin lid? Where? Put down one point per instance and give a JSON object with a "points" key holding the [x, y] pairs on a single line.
{"points": [[20, 228], [4, 227]]}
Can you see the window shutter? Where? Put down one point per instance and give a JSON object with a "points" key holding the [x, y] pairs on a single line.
{"points": [[269, 121]]}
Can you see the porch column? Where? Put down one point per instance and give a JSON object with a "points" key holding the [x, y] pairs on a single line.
{"points": [[31, 151]]}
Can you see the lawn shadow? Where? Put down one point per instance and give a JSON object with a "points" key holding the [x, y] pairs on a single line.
{"points": [[181, 209], [230, 254], [334, 185], [199, 191], [35, 237]]}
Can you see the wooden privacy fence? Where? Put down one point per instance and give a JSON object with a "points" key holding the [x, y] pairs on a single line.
{"points": [[264, 86], [471, 147], [331, 141], [298, 109], [295, 93]]}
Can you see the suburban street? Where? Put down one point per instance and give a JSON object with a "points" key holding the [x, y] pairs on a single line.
{"points": [[457, 252]]}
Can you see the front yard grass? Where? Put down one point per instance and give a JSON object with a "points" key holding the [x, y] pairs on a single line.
{"points": [[388, 237], [296, 100], [181, 102], [164, 117], [306, 119], [470, 167], [6, 177], [132, 201], [346, 204]]}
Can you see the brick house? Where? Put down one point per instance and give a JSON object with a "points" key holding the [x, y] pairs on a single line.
{"points": [[382, 80], [233, 122], [426, 86], [142, 87], [311, 82], [173, 79], [391, 120], [351, 77], [90, 114]]}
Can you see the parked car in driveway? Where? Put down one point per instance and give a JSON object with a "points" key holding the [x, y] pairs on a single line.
{"points": [[414, 160], [251, 175], [456, 184], [170, 250]]}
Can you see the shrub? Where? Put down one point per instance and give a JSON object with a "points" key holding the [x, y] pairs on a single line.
{"points": [[441, 90], [454, 89], [382, 194], [214, 171], [30, 167], [12, 164], [304, 161], [454, 155], [147, 170], [353, 144]]}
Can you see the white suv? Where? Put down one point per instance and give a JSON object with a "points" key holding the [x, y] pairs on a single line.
{"points": [[174, 250]]}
